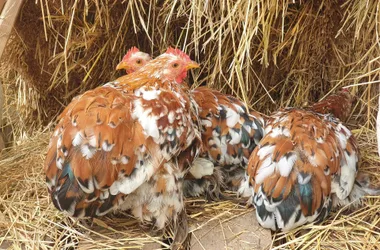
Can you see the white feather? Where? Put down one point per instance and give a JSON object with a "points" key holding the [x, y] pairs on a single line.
{"points": [[201, 167], [239, 108], [59, 141], [124, 160], [170, 130], [190, 137], [146, 120], [275, 132], [348, 172], [87, 151], [206, 123], [171, 117], [59, 162], [286, 132], [78, 138], [235, 137], [244, 189], [269, 221], [150, 94], [92, 141], [303, 180], [114, 188], [264, 151], [104, 194], [56, 132], [179, 131], [90, 189], [141, 175], [223, 146], [342, 139], [107, 147], [51, 183], [285, 165], [232, 117], [265, 170], [268, 129]]}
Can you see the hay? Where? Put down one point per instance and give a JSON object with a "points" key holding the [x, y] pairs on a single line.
{"points": [[28, 219], [270, 53]]}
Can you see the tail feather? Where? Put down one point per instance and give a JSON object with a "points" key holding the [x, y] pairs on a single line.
{"points": [[204, 179], [364, 182], [182, 237], [361, 188]]}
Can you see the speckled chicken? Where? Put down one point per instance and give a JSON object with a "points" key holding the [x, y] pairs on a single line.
{"points": [[306, 163], [230, 132], [127, 145]]}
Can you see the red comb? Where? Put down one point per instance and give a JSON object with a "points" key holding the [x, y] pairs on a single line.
{"points": [[178, 52], [132, 50]]}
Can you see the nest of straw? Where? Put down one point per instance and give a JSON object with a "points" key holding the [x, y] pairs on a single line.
{"points": [[29, 220], [269, 53]]}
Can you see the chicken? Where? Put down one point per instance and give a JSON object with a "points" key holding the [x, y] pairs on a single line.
{"points": [[127, 145], [229, 133], [338, 104], [133, 60], [305, 164]]}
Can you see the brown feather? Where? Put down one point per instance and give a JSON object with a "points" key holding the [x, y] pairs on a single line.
{"points": [[338, 104]]}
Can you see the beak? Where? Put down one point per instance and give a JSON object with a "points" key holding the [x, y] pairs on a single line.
{"points": [[122, 65], [192, 65]]}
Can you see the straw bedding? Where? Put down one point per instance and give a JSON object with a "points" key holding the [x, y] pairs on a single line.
{"points": [[28, 219], [269, 53]]}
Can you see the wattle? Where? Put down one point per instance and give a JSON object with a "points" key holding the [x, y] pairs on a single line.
{"points": [[181, 77]]}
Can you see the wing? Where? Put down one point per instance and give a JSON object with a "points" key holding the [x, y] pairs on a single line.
{"points": [[302, 159], [229, 131], [107, 143]]}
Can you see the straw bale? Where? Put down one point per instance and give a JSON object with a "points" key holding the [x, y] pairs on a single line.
{"points": [[270, 53]]}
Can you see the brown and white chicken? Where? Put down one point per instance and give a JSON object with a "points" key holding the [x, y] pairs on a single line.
{"points": [[127, 145], [230, 132], [133, 60], [306, 163]]}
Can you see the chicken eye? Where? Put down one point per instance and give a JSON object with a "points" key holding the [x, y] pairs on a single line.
{"points": [[175, 65], [138, 61]]}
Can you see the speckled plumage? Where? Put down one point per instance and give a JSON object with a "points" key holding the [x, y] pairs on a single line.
{"points": [[339, 104], [123, 145], [229, 133], [305, 164]]}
